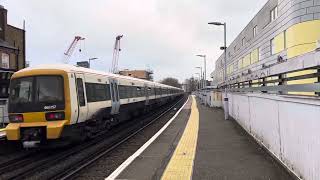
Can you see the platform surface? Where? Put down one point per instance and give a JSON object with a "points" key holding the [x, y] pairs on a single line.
{"points": [[200, 144]]}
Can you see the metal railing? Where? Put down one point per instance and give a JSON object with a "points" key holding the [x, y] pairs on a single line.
{"points": [[280, 83]]}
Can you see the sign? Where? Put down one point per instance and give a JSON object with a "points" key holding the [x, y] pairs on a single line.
{"points": [[5, 60]]}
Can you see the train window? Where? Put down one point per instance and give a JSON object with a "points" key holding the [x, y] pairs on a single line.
{"points": [[138, 92], [97, 92], [128, 92], [49, 89], [90, 92], [134, 91], [122, 92], [80, 92], [21, 90], [33, 94], [100, 92], [108, 91], [143, 90]]}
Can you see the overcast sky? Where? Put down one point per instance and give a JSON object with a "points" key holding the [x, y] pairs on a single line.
{"points": [[164, 35]]}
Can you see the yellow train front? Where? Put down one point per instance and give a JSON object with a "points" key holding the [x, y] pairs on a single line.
{"points": [[39, 105], [68, 103]]}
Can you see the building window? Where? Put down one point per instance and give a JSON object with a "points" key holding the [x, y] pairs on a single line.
{"points": [[240, 64], [274, 14], [285, 39], [243, 41], [235, 48], [5, 61], [255, 56], [255, 31], [272, 46]]}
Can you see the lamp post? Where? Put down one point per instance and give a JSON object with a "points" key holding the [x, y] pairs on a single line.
{"points": [[226, 105], [205, 68], [91, 59], [200, 76], [199, 84]]}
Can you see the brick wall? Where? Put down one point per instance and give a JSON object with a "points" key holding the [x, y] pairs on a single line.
{"points": [[15, 37]]}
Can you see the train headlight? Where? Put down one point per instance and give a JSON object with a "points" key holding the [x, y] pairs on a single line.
{"points": [[16, 118], [52, 116]]}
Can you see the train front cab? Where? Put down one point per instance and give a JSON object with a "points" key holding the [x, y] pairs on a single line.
{"points": [[39, 105]]}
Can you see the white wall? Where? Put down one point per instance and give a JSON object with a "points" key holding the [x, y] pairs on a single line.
{"points": [[289, 127]]}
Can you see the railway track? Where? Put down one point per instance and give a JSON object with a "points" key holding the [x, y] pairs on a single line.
{"points": [[29, 166], [68, 174]]}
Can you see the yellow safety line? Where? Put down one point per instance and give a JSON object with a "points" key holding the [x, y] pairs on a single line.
{"points": [[181, 163]]}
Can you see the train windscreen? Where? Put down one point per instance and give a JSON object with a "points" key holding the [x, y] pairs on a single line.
{"points": [[36, 94]]}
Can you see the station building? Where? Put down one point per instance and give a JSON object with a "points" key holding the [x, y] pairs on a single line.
{"points": [[282, 31], [140, 74], [12, 56]]}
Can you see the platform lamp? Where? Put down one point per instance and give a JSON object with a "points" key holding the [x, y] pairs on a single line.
{"points": [[224, 48], [200, 76], [199, 84], [91, 59], [205, 68]]}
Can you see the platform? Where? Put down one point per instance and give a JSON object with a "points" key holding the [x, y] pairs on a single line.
{"points": [[200, 144]]}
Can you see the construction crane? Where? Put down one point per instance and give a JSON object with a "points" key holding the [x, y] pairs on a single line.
{"points": [[71, 48], [116, 51]]}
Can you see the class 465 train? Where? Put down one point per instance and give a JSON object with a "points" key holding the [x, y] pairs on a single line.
{"points": [[68, 103]]}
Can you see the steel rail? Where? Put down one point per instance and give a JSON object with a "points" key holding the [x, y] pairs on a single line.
{"points": [[32, 164], [89, 160]]}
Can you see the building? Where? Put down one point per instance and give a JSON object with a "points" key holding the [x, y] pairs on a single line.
{"points": [[12, 56], [282, 31], [84, 64], [141, 74]]}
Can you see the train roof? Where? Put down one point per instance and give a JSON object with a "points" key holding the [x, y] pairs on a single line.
{"points": [[71, 68]]}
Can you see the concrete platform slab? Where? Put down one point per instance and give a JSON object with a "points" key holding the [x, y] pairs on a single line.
{"points": [[226, 151], [152, 162], [223, 151]]}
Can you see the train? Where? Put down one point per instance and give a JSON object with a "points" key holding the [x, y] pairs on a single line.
{"points": [[67, 103]]}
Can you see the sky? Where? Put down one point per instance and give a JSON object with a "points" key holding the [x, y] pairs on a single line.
{"points": [[162, 35]]}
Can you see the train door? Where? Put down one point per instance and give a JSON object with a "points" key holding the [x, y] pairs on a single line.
{"points": [[115, 100], [147, 92], [82, 105]]}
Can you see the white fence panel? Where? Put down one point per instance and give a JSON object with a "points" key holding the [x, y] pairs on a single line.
{"points": [[244, 112], [300, 138], [264, 122]]}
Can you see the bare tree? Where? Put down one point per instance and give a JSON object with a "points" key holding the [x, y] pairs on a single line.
{"points": [[191, 84], [171, 82]]}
